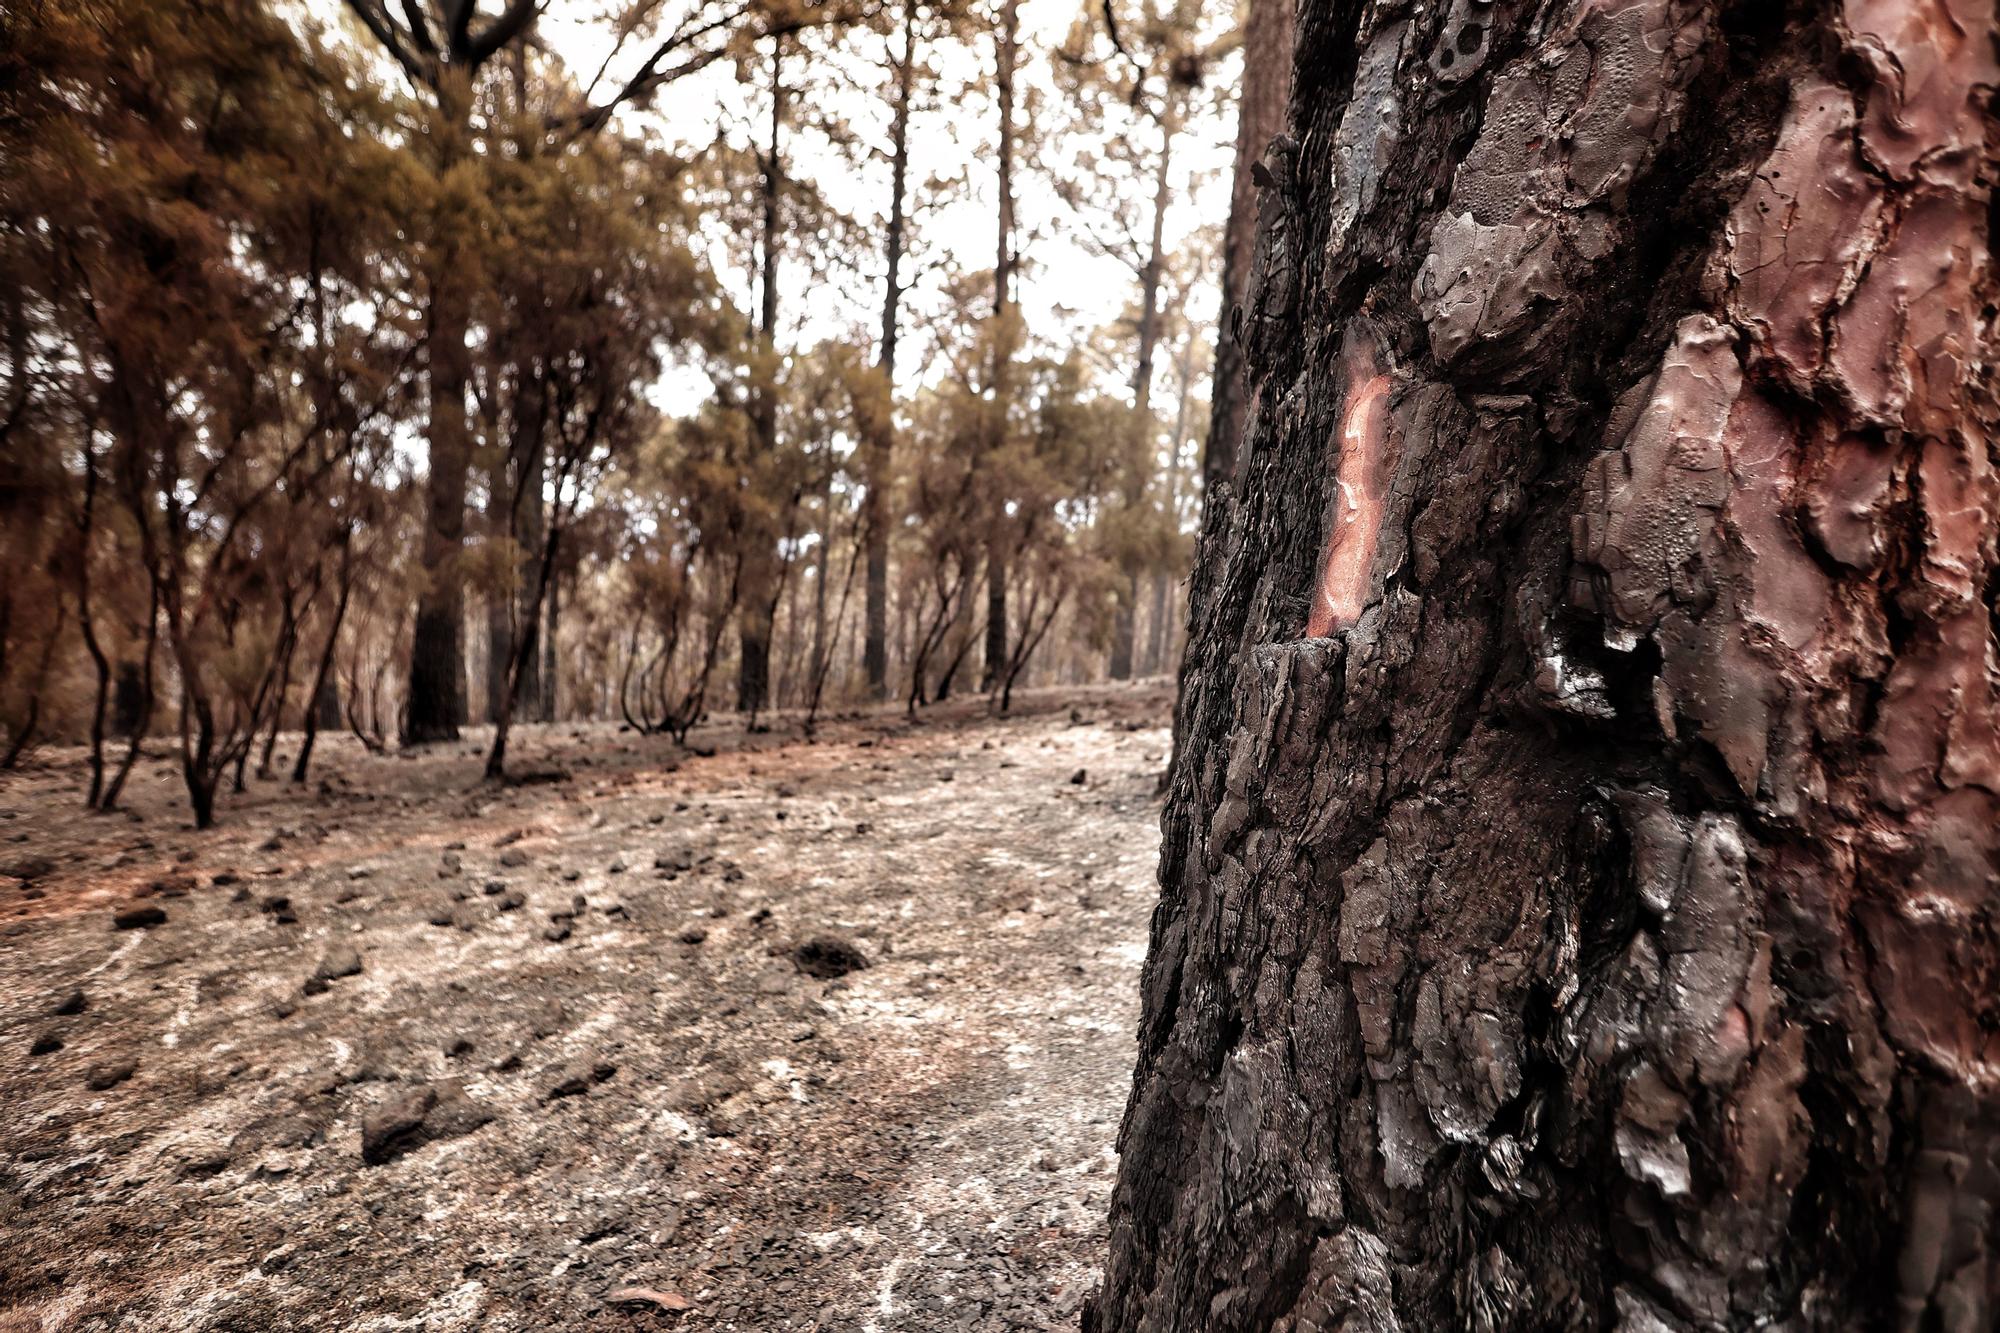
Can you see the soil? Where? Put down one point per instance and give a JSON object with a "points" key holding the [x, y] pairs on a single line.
{"points": [[772, 1033]]}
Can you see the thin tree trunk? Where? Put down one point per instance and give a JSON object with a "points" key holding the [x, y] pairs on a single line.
{"points": [[1007, 54], [1578, 877], [87, 621], [437, 647], [514, 509], [530, 529], [1032, 634], [823, 563], [959, 636], [882, 415], [25, 733], [550, 628], [324, 704], [499, 600], [823, 661], [289, 643], [1139, 467], [1160, 623], [1124, 626], [1156, 627], [524, 647], [127, 701], [761, 585], [140, 715]]}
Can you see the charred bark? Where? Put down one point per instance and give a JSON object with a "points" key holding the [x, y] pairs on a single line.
{"points": [[1579, 878]]}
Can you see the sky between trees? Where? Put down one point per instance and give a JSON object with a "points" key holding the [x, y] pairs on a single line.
{"points": [[1070, 288]]}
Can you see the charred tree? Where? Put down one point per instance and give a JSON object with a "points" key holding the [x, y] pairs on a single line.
{"points": [[880, 418], [1006, 333], [1139, 469], [762, 567], [1579, 879], [516, 513], [441, 49], [437, 645]]}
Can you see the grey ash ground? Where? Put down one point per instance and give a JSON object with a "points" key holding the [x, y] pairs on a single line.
{"points": [[408, 1052]]}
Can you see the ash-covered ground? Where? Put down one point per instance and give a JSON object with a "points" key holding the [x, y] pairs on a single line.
{"points": [[790, 1035]]}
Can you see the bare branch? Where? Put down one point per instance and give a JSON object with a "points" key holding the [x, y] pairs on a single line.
{"points": [[511, 24], [377, 21]]}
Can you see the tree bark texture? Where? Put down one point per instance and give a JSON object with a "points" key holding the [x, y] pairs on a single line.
{"points": [[1579, 879]]}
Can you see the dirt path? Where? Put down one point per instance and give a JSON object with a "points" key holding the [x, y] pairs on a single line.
{"points": [[581, 1041]]}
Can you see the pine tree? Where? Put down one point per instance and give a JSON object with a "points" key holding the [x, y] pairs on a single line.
{"points": [[1580, 868]]}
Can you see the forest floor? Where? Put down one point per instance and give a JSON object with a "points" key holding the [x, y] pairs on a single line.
{"points": [[411, 1052]]}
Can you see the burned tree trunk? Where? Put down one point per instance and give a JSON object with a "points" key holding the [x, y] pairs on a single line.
{"points": [[879, 424], [437, 643], [763, 569], [1006, 334], [1580, 874]]}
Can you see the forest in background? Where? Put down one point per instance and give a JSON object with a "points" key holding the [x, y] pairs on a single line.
{"points": [[378, 367]]}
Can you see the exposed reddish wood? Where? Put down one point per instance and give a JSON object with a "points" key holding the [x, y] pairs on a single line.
{"points": [[1357, 506]]}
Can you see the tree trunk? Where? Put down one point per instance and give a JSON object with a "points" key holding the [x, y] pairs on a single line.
{"points": [[323, 711], [1007, 57], [543, 582], [499, 603], [87, 623], [550, 627], [761, 582], [1159, 619], [875, 615], [1260, 115], [134, 704], [437, 646], [514, 510], [882, 418], [1124, 626], [822, 567], [530, 531], [995, 649], [1579, 878], [1160, 624], [1140, 466], [326, 703], [128, 703]]}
